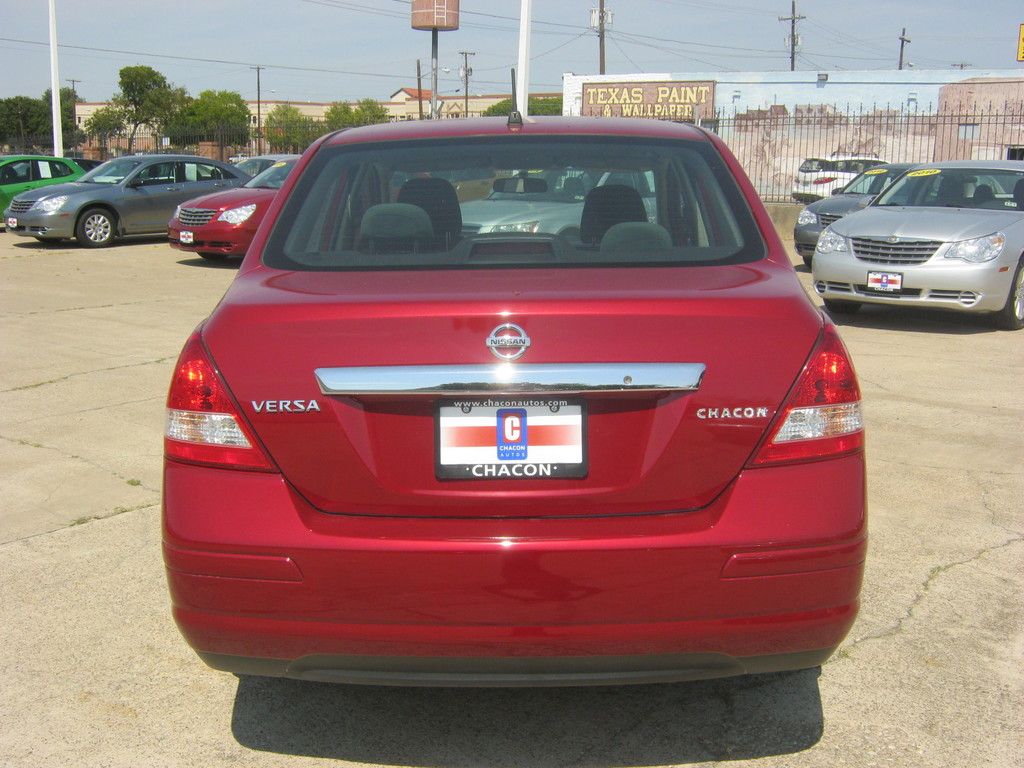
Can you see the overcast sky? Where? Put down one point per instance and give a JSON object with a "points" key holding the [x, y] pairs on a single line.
{"points": [[346, 50]]}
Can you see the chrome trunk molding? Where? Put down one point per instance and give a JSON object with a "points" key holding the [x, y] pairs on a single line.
{"points": [[510, 378]]}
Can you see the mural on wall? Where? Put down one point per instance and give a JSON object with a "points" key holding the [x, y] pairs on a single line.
{"points": [[674, 100]]}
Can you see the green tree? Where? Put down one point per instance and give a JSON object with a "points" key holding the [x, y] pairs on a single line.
{"points": [[69, 128], [146, 98], [22, 118], [536, 107], [287, 130], [367, 112], [221, 116], [339, 115]]}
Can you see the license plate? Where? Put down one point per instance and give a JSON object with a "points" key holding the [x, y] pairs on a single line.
{"points": [[185, 237], [885, 282], [513, 438], [12, 223]]}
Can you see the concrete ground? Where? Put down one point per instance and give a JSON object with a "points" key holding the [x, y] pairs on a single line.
{"points": [[94, 673]]}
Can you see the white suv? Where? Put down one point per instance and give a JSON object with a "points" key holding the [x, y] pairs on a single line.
{"points": [[819, 177]]}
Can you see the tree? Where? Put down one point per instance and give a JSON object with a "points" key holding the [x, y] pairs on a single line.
{"points": [[536, 107], [146, 98], [105, 123], [221, 116], [22, 119], [288, 130], [69, 128], [368, 112]]}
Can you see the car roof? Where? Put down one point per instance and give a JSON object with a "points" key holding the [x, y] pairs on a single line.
{"points": [[7, 158], [1004, 165], [498, 126]]}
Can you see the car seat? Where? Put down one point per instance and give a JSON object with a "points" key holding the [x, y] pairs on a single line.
{"points": [[982, 194], [440, 201], [606, 206], [635, 236], [395, 228]]}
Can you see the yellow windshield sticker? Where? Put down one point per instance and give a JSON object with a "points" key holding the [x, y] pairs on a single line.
{"points": [[925, 172], [279, 164], [875, 171]]}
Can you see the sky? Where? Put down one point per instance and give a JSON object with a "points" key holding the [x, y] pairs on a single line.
{"points": [[347, 50]]}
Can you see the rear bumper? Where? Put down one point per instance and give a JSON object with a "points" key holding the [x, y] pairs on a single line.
{"points": [[766, 578]]}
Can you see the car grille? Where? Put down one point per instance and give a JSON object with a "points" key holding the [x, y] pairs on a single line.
{"points": [[828, 218], [20, 206], [195, 217], [878, 251]]}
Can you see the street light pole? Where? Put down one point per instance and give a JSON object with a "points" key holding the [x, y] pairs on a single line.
{"points": [[466, 72]]}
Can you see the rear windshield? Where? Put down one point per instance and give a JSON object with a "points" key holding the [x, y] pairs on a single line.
{"points": [[515, 201]]}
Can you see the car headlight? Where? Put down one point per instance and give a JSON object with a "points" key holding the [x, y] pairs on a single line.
{"points": [[830, 242], [177, 213], [521, 226], [979, 250], [806, 217], [50, 204], [237, 215]]}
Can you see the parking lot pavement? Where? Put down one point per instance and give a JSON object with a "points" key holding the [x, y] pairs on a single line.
{"points": [[93, 671]]}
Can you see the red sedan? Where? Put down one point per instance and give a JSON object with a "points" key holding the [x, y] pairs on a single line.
{"points": [[405, 451], [223, 224]]}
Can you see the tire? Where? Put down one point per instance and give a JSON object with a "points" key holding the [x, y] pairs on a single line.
{"points": [[1011, 316], [214, 256], [839, 307], [96, 228]]}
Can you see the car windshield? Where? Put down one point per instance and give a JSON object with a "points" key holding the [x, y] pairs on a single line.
{"points": [[874, 180], [994, 189], [625, 201], [112, 171], [272, 177]]}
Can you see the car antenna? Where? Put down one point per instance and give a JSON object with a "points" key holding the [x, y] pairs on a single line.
{"points": [[515, 117]]}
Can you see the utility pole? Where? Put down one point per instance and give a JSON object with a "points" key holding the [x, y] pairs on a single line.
{"points": [[903, 43], [58, 129], [600, 20], [419, 87], [259, 111], [792, 19], [466, 72]]}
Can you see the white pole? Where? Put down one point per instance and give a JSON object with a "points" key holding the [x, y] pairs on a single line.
{"points": [[523, 75], [58, 130]]}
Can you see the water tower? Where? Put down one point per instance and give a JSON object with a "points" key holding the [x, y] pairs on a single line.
{"points": [[437, 16]]}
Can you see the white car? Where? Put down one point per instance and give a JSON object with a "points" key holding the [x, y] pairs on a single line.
{"points": [[819, 177]]}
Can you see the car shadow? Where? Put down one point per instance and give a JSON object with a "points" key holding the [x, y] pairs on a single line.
{"points": [[916, 320], [212, 263], [740, 718]]}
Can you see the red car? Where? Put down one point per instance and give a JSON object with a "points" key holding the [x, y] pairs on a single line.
{"points": [[223, 224], [404, 452]]}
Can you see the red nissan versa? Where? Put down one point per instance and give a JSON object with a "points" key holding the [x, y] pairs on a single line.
{"points": [[406, 450]]}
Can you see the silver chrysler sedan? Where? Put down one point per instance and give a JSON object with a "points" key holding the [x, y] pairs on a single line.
{"points": [[948, 235], [133, 195]]}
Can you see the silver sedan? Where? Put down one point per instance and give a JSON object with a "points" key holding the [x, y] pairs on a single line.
{"points": [[948, 235]]}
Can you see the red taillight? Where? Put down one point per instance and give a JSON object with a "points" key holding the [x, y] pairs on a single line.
{"points": [[824, 180], [821, 418], [204, 425]]}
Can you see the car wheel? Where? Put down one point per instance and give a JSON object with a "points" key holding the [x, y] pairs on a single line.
{"points": [[839, 307], [96, 228], [214, 256], [1011, 316]]}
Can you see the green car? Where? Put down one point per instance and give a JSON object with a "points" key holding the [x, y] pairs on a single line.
{"points": [[20, 173]]}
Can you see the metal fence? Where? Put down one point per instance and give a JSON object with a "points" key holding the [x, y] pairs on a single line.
{"points": [[770, 144]]}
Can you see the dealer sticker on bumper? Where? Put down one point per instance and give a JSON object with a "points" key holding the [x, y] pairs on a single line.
{"points": [[510, 438], [185, 237]]}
